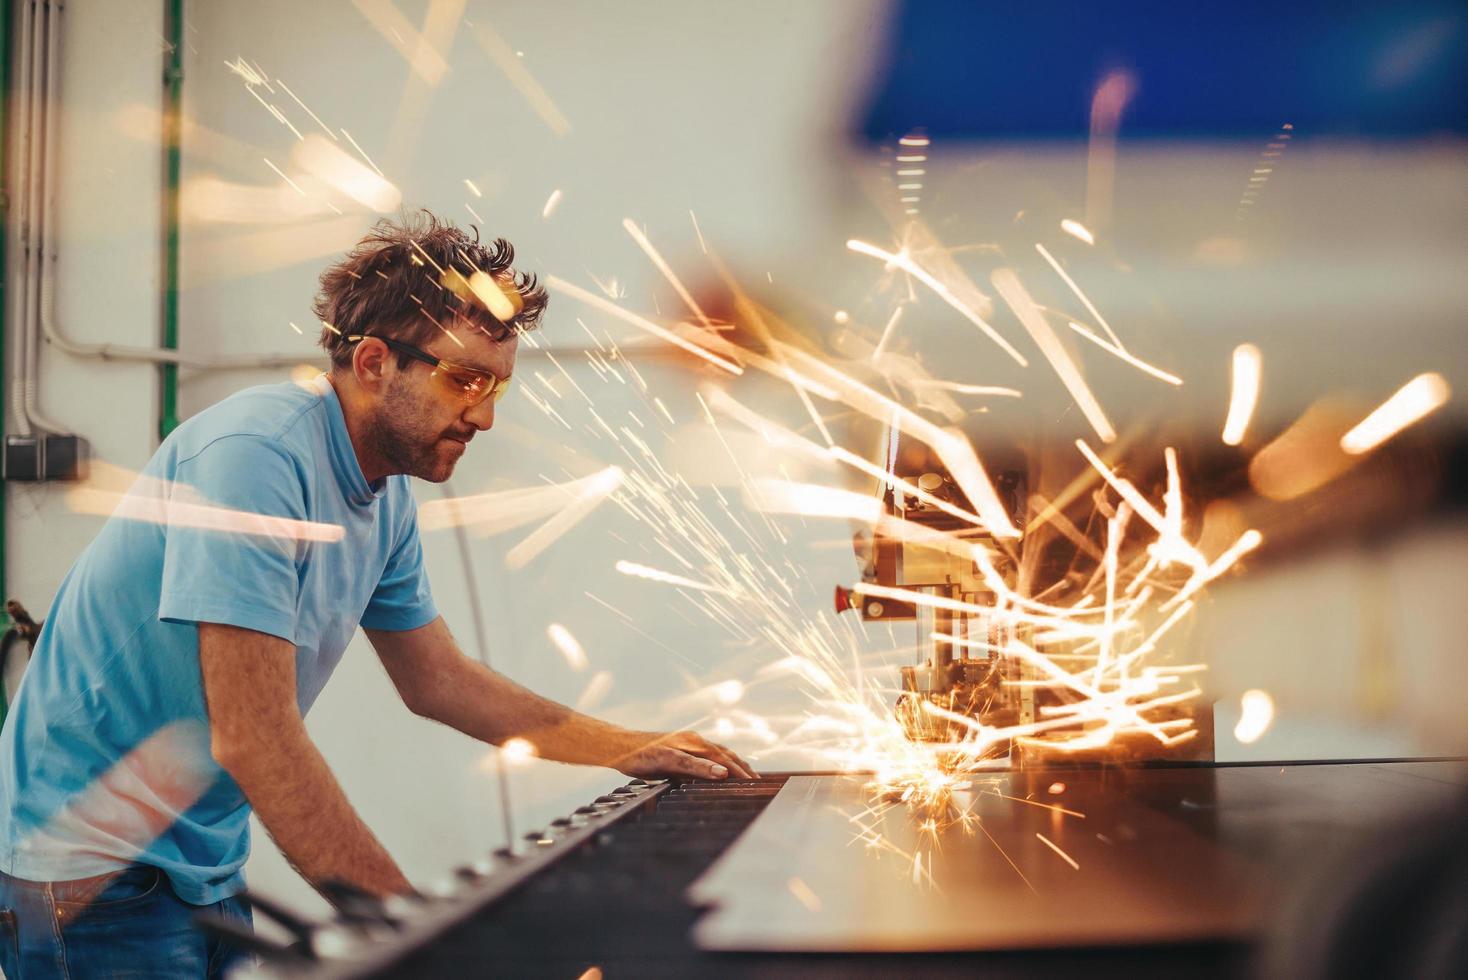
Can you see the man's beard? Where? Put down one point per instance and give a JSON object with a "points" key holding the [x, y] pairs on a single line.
{"points": [[406, 438]]}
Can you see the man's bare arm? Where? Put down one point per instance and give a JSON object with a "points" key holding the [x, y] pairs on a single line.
{"points": [[258, 737], [437, 681]]}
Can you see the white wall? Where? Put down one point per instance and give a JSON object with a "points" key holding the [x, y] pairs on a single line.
{"points": [[729, 111]]}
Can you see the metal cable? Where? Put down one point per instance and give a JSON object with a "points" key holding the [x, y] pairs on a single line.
{"points": [[481, 640]]}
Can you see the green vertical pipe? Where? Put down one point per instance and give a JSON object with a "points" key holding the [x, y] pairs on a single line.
{"points": [[172, 128], [6, 94]]}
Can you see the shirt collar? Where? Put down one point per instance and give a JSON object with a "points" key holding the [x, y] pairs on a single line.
{"points": [[343, 457]]}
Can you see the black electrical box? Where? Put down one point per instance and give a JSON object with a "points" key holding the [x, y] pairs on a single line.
{"points": [[32, 459], [66, 457], [23, 459]]}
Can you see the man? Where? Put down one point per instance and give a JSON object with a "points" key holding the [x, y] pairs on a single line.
{"points": [[166, 694]]}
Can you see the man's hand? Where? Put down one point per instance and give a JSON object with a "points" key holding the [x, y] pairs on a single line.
{"points": [[657, 755]]}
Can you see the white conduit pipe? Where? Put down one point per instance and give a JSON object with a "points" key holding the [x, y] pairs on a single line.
{"points": [[43, 193], [20, 359]]}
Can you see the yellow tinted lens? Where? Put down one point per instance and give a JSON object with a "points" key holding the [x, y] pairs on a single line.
{"points": [[468, 386], [502, 385]]}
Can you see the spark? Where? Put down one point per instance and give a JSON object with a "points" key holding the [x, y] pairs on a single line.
{"points": [[388, 21], [596, 689], [1411, 403], [520, 77], [503, 510], [296, 328], [652, 253], [658, 575], [306, 108], [330, 164], [1044, 806], [594, 490], [473, 187], [642, 323], [1056, 848], [1009, 287], [518, 751], [550, 203], [1247, 370], [952, 446], [567, 644], [496, 298], [1107, 104], [1072, 227], [1131, 359], [905, 262], [294, 185], [363, 152], [786, 497], [698, 231], [180, 506], [887, 333], [804, 895], [1255, 716], [1085, 300]]}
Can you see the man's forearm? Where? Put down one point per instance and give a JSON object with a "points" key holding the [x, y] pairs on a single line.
{"points": [[558, 733], [437, 681], [299, 801]]}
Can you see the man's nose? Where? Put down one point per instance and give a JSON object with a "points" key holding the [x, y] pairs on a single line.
{"points": [[481, 416]]}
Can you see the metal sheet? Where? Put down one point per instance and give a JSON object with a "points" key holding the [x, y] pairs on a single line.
{"points": [[1161, 855]]}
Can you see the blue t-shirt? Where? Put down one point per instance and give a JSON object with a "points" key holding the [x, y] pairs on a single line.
{"points": [[254, 513]]}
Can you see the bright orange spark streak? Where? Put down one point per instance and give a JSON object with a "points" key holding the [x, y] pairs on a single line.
{"points": [[812, 500], [912, 489], [1060, 271], [514, 68], [952, 447], [1247, 369], [773, 433], [657, 575], [657, 259], [1131, 359], [699, 232], [904, 262], [550, 203], [1007, 858], [1413, 402], [887, 333], [1071, 227], [1043, 806], [1056, 848], [502, 510], [568, 645], [157, 510], [595, 489], [1019, 301], [397, 31], [640, 322], [284, 177], [1128, 492], [1246, 543]]}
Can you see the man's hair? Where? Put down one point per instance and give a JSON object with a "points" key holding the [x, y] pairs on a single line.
{"points": [[410, 280]]}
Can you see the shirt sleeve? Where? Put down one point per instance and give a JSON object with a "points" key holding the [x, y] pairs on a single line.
{"points": [[235, 531], [403, 599]]}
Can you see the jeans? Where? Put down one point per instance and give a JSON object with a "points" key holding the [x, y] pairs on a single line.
{"points": [[126, 924]]}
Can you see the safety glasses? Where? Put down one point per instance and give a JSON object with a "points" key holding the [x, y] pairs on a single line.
{"points": [[468, 385]]}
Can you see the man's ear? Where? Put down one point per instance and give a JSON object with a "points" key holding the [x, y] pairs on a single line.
{"points": [[372, 363]]}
